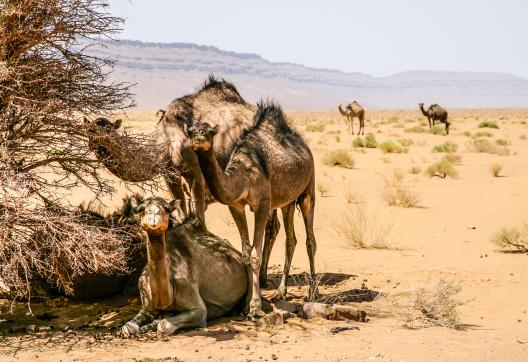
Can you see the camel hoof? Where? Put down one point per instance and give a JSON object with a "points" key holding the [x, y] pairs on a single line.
{"points": [[165, 327], [255, 310], [130, 328]]}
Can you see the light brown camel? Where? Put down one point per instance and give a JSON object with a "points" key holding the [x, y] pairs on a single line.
{"points": [[270, 167], [191, 275], [352, 110], [435, 113], [217, 101]]}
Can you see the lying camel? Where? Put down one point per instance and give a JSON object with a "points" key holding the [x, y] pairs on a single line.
{"points": [[191, 275]]}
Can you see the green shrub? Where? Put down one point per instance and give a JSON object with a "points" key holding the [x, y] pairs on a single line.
{"points": [[442, 169], [416, 129], [391, 147], [488, 124], [447, 147], [340, 158], [358, 142], [483, 134], [370, 141], [437, 130], [512, 238]]}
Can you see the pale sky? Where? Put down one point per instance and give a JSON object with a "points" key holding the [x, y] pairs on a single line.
{"points": [[377, 37]]}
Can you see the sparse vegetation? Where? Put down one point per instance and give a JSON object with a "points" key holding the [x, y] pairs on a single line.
{"points": [[496, 168], [447, 147], [453, 158], [406, 142], [482, 145], [502, 142], [322, 189], [488, 124], [315, 127], [416, 129], [512, 238], [437, 130], [358, 142], [361, 229], [396, 192], [434, 306], [353, 197], [391, 147], [370, 141], [466, 133], [415, 170], [483, 134], [442, 169], [340, 158], [522, 137]]}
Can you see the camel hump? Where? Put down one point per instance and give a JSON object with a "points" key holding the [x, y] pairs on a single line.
{"points": [[269, 112]]}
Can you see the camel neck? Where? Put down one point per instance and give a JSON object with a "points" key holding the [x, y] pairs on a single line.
{"points": [[217, 180], [158, 267]]}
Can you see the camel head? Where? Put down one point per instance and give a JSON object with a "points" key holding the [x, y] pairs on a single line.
{"points": [[155, 213], [420, 105], [101, 124], [201, 136]]}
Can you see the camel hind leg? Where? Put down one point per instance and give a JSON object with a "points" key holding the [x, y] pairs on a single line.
{"points": [[361, 124], [307, 206], [272, 229], [288, 212]]}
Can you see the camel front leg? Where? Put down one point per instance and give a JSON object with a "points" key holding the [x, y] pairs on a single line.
{"points": [[261, 218], [147, 313], [307, 206], [351, 121], [194, 318], [176, 189]]}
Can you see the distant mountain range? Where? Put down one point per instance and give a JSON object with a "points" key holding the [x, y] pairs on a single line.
{"points": [[163, 72]]}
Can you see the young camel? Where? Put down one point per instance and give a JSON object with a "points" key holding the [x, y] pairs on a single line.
{"points": [[270, 167], [352, 110], [191, 275]]}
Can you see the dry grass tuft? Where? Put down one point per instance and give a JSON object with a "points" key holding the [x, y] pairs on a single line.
{"points": [[453, 158], [391, 147], [442, 169], [396, 192], [437, 130], [434, 306], [496, 168], [340, 158], [362, 229], [512, 238], [488, 124], [315, 127], [447, 147], [322, 189], [481, 145]]}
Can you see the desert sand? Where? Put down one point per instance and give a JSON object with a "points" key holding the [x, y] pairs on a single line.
{"points": [[445, 236]]}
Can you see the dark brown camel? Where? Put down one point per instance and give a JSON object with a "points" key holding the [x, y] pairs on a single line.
{"points": [[435, 113], [352, 110], [269, 167]]}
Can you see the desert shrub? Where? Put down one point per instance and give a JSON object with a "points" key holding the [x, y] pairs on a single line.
{"points": [[482, 145], [391, 147], [442, 169], [353, 197], [522, 137], [502, 142], [322, 189], [415, 170], [405, 142], [496, 168], [362, 229], [488, 124], [467, 133], [453, 158], [483, 134], [396, 192], [315, 127], [512, 238], [358, 142], [447, 147], [338, 138], [434, 306], [416, 129], [340, 158], [437, 130], [370, 141]]}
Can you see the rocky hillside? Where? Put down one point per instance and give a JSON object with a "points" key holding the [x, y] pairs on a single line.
{"points": [[165, 71]]}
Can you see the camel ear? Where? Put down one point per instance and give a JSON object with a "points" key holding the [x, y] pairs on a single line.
{"points": [[118, 123], [139, 209], [214, 130], [174, 204]]}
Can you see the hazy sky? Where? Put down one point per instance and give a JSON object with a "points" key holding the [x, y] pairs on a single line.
{"points": [[377, 37]]}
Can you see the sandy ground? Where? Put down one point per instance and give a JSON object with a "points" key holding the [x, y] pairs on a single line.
{"points": [[446, 236]]}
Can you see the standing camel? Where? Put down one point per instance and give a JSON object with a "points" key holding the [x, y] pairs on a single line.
{"points": [[435, 113], [270, 167], [352, 110]]}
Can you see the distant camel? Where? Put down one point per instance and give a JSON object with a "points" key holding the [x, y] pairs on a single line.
{"points": [[352, 110], [435, 113]]}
